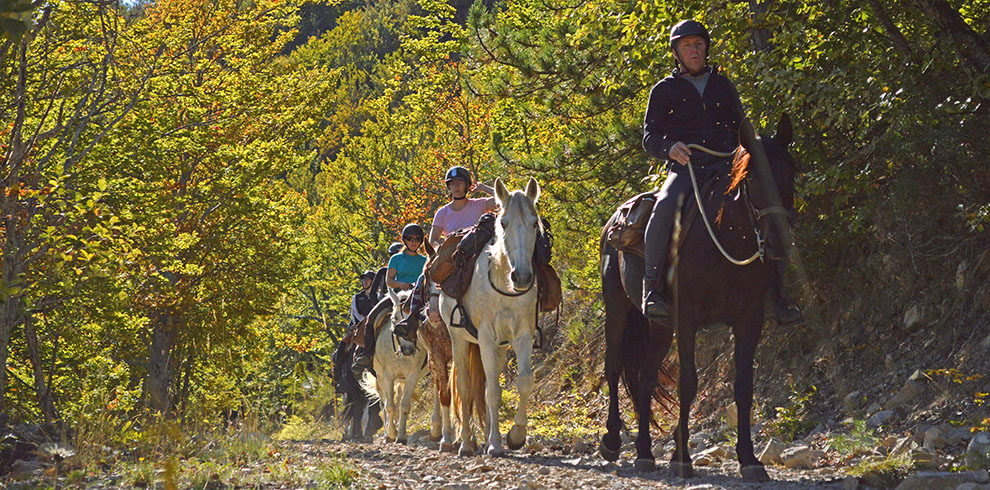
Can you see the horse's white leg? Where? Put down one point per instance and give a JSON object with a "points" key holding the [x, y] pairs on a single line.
{"points": [[435, 422], [407, 393], [447, 442], [387, 391], [523, 346], [493, 392], [459, 350]]}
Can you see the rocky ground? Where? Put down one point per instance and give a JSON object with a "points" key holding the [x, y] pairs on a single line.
{"points": [[421, 465]]}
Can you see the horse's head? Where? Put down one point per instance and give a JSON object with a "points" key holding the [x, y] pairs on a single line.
{"points": [[407, 340], [516, 230], [771, 172]]}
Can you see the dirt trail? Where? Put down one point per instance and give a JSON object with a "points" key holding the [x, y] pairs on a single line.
{"points": [[421, 465]]}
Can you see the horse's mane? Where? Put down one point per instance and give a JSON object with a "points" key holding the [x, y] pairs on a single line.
{"points": [[740, 167]]}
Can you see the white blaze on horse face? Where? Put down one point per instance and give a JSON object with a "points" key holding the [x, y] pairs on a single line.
{"points": [[516, 230]]}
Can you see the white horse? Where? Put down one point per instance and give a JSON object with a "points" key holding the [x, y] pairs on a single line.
{"points": [[399, 364], [501, 302]]}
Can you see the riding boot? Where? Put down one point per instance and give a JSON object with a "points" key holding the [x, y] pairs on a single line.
{"points": [[657, 241], [787, 311]]}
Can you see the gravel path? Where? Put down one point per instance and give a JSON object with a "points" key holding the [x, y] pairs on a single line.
{"points": [[421, 465]]}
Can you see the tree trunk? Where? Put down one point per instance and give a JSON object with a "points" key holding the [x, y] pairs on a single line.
{"points": [[11, 209], [972, 48], [900, 43], [161, 362], [45, 401]]}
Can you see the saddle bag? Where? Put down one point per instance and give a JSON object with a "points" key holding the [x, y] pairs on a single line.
{"points": [[629, 229]]}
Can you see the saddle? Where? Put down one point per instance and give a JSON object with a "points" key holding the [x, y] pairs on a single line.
{"points": [[452, 268], [627, 234], [375, 316]]}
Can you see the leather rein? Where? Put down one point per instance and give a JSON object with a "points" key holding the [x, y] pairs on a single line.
{"points": [[756, 212]]}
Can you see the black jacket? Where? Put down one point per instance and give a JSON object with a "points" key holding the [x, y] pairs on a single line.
{"points": [[675, 112]]}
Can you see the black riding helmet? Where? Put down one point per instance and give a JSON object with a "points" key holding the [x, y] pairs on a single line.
{"points": [[686, 28], [394, 248], [457, 172], [368, 274], [412, 229]]}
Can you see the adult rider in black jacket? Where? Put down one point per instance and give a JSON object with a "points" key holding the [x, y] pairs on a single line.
{"points": [[695, 104]]}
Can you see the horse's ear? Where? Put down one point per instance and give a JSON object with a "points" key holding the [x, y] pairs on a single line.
{"points": [[393, 296], [747, 135], [785, 133], [533, 190], [501, 192], [430, 251]]}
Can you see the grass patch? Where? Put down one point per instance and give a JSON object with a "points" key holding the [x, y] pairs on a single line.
{"points": [[302, 429], [858, 441], [883, 472]]}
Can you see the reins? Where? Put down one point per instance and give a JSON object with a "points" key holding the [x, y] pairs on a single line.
{"points": [[760, 252]]}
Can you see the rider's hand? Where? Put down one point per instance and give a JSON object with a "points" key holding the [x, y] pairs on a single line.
{"points": [[407, 286], [680, 153]]}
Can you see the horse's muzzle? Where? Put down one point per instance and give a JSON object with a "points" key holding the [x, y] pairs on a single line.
{"points": [[521, 280]]}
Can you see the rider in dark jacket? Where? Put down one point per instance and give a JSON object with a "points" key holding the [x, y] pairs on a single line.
{"points": [[693, 105]]}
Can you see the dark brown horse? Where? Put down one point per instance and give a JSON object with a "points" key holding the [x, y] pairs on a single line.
{"points": [[747, 209]]}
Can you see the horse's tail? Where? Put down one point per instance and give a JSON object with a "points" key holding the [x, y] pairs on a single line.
{"points": [[369, 385], [476, 388], [637, 346]]}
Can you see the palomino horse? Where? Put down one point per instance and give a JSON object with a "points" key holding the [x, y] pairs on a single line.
{"points": [[501, 302], [749, 203], [402, 365], [359, 416]]}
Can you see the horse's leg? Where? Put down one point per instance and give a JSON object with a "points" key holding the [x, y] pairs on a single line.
{"points": [[387, 390], [523, 346], [649, 366], [493, 390], [435, 422], [617, 310], [459, 349], [447, 442], [408, 388], [747, 338], [687, 389]]}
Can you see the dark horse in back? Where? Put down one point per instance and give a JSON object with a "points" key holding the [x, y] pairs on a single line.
{"points": [[360, 418], [751, 201]]}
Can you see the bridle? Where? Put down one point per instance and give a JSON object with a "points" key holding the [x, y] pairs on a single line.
{"points": [[499, 291], [756, 214]]}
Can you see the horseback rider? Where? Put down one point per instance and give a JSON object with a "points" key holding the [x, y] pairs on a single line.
{"points": [[460, 212], [378, 287], [695, 104], [363, 301], [404, 269]]}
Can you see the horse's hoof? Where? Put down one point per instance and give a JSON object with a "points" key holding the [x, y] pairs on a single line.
{"points": [[403, 440], [496, 452], [389, 439], [608, 454], [645, 464], [436, 438], [683, 470], [447, 447], [754, 472], [517, 437]]}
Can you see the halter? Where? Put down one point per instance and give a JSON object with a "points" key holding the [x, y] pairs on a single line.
{"points": [[499, 291], [756, 213]]}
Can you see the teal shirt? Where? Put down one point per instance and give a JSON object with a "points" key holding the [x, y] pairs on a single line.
{"points": [[407, 267]]}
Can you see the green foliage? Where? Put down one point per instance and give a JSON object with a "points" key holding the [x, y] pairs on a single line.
{"points": [[793, 419], [858, 441], [883, 471]]}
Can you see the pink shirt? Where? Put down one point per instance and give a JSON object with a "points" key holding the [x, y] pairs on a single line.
{"points": [[451, 220]]}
